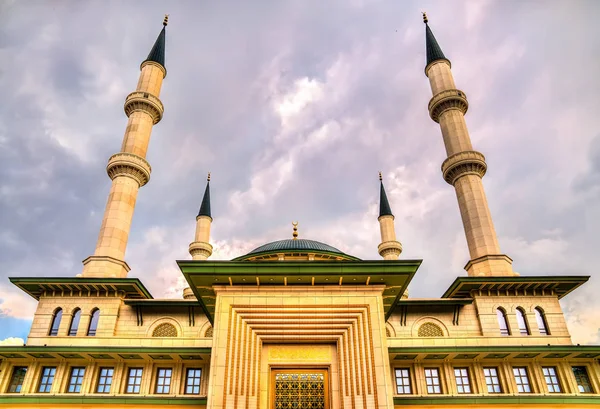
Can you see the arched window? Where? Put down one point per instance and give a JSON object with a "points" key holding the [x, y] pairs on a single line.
{"points": [[540, 318], [165, 330], [56, 317], [94, 318], [429, 329], [522, 322], [74, 322], [502, 322]]}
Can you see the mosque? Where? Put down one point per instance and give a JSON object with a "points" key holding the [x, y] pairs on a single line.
{"points": [[297, 323]]}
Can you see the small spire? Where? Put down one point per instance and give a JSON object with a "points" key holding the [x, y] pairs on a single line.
{"points": [[433, 49], [295, 233], [384, 205], [205, 206], [157, 53]]}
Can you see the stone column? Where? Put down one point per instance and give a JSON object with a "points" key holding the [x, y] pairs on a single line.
{"points": [[128, 171], [464, 169]]}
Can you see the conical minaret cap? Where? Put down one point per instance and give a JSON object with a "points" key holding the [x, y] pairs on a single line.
{"points": [[157, 53], [205, 206], [434, 51], [384, 205]]}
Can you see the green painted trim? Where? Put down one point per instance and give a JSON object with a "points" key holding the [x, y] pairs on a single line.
{"points": [[299, 267], [18, 281], [508, 348], [100, 400], [575, 281], [163, 303], [496, 400], [345, 256], [436, 301], [115, 350]]}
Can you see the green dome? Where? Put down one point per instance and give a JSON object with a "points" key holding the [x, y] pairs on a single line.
{"points": [[299, 245]]}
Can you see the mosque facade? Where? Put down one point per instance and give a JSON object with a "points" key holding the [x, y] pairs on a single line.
{"points": [[297, 323]]}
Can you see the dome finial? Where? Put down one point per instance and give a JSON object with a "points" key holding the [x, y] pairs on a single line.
{"points": [[425, 20], [166, 20], [208, 177], [295, 233], [380, 177]]}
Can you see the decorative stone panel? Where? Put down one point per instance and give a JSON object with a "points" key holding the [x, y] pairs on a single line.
{"points": [[429, 329]]}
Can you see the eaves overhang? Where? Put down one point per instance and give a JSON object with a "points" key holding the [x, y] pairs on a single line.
{"points": [[465, 287], [203, 275], [430, 353], [81, 286], [106, 353]]}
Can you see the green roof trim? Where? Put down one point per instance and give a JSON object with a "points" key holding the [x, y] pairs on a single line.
{"points": [[295, 245], [75, 399], [497, 399], [36, 286], [435, 301], [100, 349], [568, 349], [175, 302], [560, 285], [202, 275]]}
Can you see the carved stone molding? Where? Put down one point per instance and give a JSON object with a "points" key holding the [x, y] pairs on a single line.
{"points": [[154, 64], [145, 102], [200, 250], [389, 247], [445, 100], [130, 165], [463, 163]]}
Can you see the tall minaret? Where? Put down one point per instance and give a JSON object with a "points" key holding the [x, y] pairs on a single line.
{"points": [[200, 248], [464, 168], [389, 248], [129, 169]]}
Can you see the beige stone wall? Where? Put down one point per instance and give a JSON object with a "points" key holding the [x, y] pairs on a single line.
{"points": [[151, 79], [476, 217], [203, 229], [506, 377], [440, 77], [249, 318], [118, 324], [487, 305], [455, 132], [386, 227], [92, 371], [137, 133], [478, 323]]}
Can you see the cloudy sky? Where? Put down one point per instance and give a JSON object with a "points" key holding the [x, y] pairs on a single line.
{"points": [[294, 106]]}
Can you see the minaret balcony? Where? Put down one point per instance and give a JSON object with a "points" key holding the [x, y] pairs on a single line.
{"points": [[145, 102], [463, 163], [130, 165], [445, 100]]}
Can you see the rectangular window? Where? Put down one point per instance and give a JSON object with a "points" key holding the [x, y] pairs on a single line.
{"points": [[17, 378], [46, 379], [76, 380], [163, 380], [192, 381], [134, 380], [432, 379], [462, 380], [551, 379], [522, 379], [491, 380], [403, 381], [105, 380], [582, 379]]}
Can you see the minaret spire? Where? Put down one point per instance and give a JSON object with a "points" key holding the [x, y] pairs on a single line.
{"points": [[464, 167], [434, 51], [389, 248], [128, 169], [200, 248]]}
